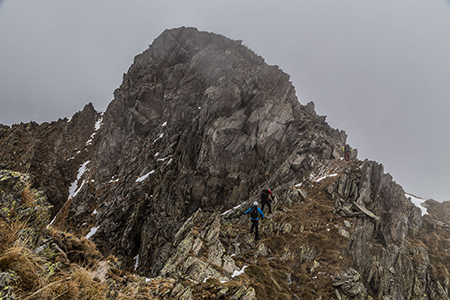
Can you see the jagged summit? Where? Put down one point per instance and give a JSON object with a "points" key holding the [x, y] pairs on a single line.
{"points": [[199, 125]]}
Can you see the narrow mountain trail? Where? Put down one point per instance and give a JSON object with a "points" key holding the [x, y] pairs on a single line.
{"points": [[302, 242]]}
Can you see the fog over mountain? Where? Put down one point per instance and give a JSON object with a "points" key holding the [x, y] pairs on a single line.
{"points": [[378, 70]]}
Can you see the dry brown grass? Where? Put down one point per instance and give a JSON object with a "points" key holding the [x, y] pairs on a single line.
{"points": [[79, 285], [61, 216], [134, 288], [90, 289], [24, 263], [79, 250], [9, 232], [29, 196], [32, 282]]}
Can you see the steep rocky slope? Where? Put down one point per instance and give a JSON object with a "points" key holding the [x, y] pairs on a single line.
{"points": [[49, 152], [198, 127]]}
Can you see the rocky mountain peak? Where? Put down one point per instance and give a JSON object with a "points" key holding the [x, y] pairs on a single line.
{"points": [[198, 127]]}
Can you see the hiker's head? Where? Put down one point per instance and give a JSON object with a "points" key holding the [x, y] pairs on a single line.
{"points": [[255, 203]]}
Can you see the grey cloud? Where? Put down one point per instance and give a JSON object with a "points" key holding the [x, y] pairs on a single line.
{"points": [[378, 69]]}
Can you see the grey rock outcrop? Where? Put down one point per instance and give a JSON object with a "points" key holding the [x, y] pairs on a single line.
{"points": [[390, 266]]}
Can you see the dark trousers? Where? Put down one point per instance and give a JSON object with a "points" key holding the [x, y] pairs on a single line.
{"points": [[268, 204], [254, 226], [347, 156]]}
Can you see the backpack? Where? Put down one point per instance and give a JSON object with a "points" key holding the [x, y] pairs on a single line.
{"points": [[347, 148], [254, 212], [264, 195]]}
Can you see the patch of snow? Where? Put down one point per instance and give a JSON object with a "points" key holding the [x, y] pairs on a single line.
{"points": [[142, 178], [91, 232], [160, 136], [224, 213], [163, 159], [237, 273], [236, 207], [156, 154], [73, 191], [76, 192], [99, 123], [89, 142], [113, 180], [199, 107], [323, 177], [95, 212], [147, 280], [417, 201], [82, 169], [136, 258], [164, 124]]}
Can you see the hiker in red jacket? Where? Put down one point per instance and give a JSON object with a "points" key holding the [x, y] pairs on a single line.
{"points": [[265, 199]]}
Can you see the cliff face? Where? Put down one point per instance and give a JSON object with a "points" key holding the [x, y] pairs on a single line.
{"points": [[198, 127]]}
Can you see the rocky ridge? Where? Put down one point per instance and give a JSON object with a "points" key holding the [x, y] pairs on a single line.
{"points": [[199, 125]]}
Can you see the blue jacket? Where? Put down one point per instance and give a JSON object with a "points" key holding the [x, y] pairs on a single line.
{"points": [[260, 213]]}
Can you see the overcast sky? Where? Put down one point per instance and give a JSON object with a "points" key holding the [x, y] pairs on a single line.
{"points": [[380, 70]]}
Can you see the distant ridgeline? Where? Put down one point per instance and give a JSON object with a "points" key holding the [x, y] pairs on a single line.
{"points": [[161, 179]]}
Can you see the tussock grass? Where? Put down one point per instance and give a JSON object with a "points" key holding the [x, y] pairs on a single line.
{"points": [[28, 196], [31, 281], [80, 250], [79, 285], [62, 215], [24, 263], [9, 233], [89, 288]]}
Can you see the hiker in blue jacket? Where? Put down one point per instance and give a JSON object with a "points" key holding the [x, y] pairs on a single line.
{"points": [[255, 212]]}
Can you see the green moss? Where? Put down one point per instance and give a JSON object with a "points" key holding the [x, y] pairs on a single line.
{"points": [[50, 268], [5, 212]]}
